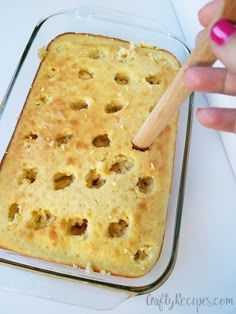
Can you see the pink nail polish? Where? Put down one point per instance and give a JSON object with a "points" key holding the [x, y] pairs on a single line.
{"points": [[221, 31]]}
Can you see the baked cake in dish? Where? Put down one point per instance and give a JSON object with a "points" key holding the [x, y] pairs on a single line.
{"points": [[73, 189]]}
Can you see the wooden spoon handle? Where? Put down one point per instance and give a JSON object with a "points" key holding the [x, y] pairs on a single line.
{"points": [[177, 91]]}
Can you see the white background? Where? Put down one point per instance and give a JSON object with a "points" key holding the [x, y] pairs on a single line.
{"points": [[206, 264]]}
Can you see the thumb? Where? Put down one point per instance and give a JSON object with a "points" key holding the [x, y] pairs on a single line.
{"points": [[223, 43]]}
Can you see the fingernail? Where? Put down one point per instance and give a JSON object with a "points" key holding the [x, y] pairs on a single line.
{"points": [[221, 31]]}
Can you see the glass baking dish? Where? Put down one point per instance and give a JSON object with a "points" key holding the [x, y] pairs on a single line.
{"points": [[64, 283]]}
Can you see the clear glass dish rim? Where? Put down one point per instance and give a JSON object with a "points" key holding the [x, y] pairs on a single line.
{"points": [[134, 290]]}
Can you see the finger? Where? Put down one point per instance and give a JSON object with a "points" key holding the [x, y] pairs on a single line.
{"points": [[198, 36], [218, 118], [223, 43], [206, 14], [211, 80]]}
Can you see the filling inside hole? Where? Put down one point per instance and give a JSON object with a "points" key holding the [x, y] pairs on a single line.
{"points": [[117, 229], [101, 141], [31, 136], [121, 79], [145, 184], [42, 100], [95, 54], [113, 107], [62, 180], [85, 74], [153, 79], [140, 255], [28, 175], [41, 219], [122, 165], [61, 140], [79, 105], [77, 227], [13, 211], [94, 180]]}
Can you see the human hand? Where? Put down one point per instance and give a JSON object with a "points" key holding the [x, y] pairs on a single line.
{"points": [[216, 80]]}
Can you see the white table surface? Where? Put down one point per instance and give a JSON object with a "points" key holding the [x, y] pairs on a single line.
{"points": [[206, 263]]}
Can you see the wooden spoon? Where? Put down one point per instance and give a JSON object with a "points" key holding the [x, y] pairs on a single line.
{"points": [[177, 91]]}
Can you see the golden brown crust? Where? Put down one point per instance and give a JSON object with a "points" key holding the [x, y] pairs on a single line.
{"points": [[73, 190]]}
